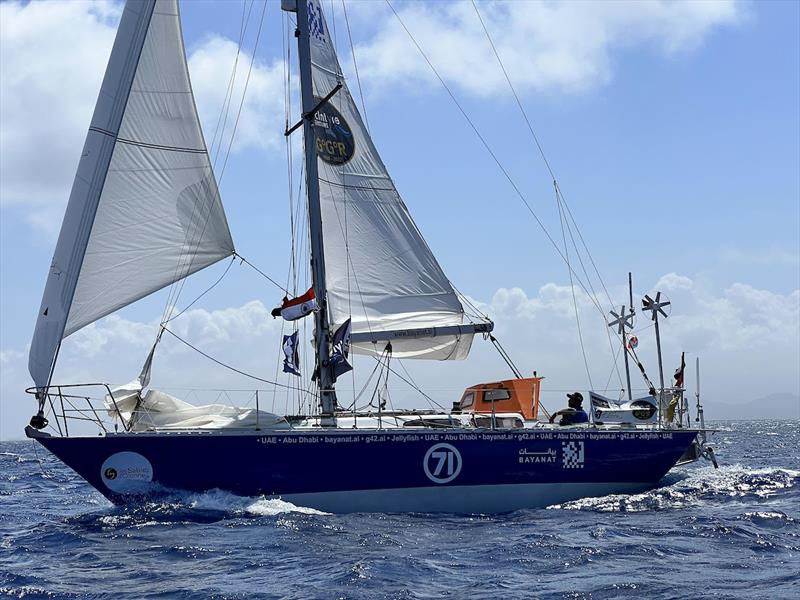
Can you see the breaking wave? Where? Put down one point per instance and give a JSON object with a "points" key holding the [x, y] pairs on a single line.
{"points": [[698, 486], [206, 507], [243, 505]]}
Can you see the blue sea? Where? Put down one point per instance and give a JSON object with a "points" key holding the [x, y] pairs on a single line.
{"points": [[727, 533]]}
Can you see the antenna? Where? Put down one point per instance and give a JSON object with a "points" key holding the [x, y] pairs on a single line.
{"points": [[656, 307], [699, 408], [623, 321]]}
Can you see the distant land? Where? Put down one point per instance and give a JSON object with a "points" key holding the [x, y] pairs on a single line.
{"points": [[773, 406]]}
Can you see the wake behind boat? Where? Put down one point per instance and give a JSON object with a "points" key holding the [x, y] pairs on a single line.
{"points": [[374, 288]]}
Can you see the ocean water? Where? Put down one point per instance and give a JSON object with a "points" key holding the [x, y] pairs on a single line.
{"points": [[727, 533]]}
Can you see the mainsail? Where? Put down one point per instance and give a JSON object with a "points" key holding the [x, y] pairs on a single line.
{"points": [[379, 270], [144, 210]]}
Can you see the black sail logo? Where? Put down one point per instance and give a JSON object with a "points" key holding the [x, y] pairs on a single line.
{"points": [[335, 143]]}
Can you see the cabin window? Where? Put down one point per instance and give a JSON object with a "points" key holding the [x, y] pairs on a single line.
{"points": [[496, 395], [468, 399], [500, 422], [433, 423]]}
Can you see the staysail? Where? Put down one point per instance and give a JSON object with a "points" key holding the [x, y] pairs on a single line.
{"points": [[379, 270], [144, 210]]}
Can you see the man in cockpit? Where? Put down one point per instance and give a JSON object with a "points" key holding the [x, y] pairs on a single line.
{"points": [[574, 415]]}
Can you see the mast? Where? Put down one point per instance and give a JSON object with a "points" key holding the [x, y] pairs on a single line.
{"points": [[655, 307], [321, 324]]}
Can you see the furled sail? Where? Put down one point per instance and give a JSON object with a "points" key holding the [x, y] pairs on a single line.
{"points": [[144, 210], [379, 270]]}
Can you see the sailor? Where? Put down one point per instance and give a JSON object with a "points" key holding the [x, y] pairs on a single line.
{"points": [[574, 414]]}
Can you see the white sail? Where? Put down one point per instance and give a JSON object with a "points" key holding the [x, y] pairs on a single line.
{"points": [[379, 270], [144, 210]]}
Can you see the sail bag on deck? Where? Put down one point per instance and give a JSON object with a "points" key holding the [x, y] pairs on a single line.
{"points": [[144, 210]]}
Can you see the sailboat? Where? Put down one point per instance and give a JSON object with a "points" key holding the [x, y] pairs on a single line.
{"points": [[145, 213]]}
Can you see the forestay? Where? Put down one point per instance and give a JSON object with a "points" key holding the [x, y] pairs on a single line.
{"points": [[144, 210], [379, 270]]}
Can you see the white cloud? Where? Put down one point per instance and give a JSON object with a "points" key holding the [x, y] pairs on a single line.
{"points": [[749, 341], [262, 116], [53, 56], [741, 319], [233, 335], [560, 46], [52, 59]]}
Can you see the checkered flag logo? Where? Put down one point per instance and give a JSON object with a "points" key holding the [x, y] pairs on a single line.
{"points": [[572, 455], [316, 28]]}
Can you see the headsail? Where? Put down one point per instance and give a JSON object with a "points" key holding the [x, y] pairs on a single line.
{"points": [[379, 270], [144, 210]]}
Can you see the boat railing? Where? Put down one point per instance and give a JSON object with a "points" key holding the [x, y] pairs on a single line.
{"points": [[681, 417], [71, 402]]}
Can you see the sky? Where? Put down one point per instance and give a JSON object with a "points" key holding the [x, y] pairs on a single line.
{"points": [[673, 129]]}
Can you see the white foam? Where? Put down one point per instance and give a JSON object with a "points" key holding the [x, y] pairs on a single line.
{"points": [[768, 515], [275, 506], [222, 501], [697, 487]]}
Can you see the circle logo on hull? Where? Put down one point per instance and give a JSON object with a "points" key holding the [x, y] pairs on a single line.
{"points": [[126, 472], [442, 463]]}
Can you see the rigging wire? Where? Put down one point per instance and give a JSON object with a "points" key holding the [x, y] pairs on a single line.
{"points": [[538, 145], [195, 243], [431, 401], [572, 288], [356, 397], [523, 199], [505, 356], [286, 40], [583, 243], [615, 354], [226, 103], [244, 92], [414, 386], [171, 301], [291, 278], [514, 92], [611, 374], [172, 298], [355, 65], [260, 272], [223, 364], [213, 285], [486, 145], [559, 193]]}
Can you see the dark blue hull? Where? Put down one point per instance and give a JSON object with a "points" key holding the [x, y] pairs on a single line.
{"points": [[346, 470]]}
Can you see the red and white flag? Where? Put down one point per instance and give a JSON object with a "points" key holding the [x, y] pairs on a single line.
{"points": [[297, 308], [679, 372]]}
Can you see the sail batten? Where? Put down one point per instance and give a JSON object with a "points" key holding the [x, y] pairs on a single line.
{"points": [[422, 332], [144, 211]]}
